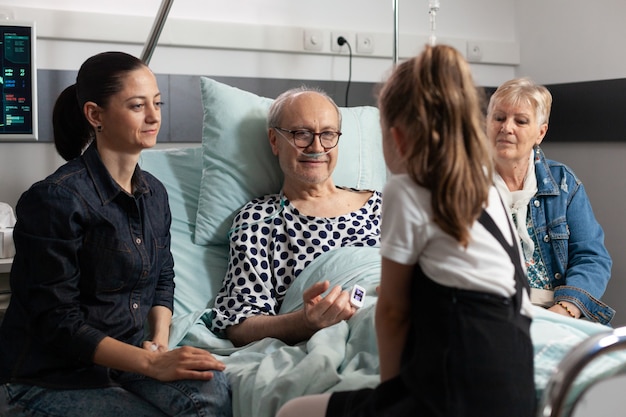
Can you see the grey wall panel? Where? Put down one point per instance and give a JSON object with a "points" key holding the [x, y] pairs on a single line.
{"points": [[184, 110], [164, 87], [581, 112], [182, 117], [49, 85]]}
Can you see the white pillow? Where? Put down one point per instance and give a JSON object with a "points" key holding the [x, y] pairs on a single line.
{"points": [[238, 164]]}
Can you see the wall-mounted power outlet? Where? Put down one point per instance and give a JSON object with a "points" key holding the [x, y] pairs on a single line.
{"points": [[364, 43], [474, 51], [6, 14], [334, 45], [313, 40]]}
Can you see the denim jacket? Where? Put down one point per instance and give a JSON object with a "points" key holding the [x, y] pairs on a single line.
{"points": [[91, 261], [571, 241]]}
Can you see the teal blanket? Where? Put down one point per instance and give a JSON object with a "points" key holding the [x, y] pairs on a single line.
{"points": [[266, 374]]}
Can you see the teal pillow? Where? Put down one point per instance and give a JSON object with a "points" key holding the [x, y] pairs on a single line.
{"points": [[238, 164]]}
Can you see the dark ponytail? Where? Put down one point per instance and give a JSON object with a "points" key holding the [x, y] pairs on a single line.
{"points": [[72, 132], [100, 77]]}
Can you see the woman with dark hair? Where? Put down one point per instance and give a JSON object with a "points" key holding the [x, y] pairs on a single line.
{"points": [[453, 312], [87, 328]]}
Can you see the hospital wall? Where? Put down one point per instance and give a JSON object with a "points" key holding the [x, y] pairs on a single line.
{"points": [[565, 43], [575, 47]]}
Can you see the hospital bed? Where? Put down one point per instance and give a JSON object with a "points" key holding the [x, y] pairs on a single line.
{"points": [[207, 184]]}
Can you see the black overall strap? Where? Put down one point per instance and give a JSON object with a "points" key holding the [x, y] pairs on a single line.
{"points": [[521, 283]]}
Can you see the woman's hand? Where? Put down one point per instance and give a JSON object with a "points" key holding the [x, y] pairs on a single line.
{"points": [[565, 308], [183, 363]]}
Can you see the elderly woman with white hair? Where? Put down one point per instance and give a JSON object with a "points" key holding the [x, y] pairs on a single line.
{"points": [[568, 266]]}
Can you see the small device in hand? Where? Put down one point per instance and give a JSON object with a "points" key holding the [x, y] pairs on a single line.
{"points": [[357, 296]]}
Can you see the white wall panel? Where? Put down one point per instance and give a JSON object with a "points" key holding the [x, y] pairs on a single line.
{"points": [[199, 46], [571, 40], [248, 38]]}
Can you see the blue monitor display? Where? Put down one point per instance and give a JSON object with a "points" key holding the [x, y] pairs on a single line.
{"points": [[18, 81]]}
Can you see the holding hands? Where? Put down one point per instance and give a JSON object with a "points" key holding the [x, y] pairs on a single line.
{"points": [[182, 363]]}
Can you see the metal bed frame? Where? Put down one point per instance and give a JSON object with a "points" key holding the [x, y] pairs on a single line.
{"points": [[554, 402]]}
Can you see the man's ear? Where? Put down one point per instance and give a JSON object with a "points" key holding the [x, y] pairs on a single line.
{"points": [[93, 114], [271, 134]]}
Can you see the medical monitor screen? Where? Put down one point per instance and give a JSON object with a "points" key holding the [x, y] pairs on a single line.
{"points": [[18, 81]]}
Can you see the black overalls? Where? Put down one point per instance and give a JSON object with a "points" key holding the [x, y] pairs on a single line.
{"points": [[468, 354]]}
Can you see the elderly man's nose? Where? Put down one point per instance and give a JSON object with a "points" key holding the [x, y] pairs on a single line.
{"points": [[317, 142]]}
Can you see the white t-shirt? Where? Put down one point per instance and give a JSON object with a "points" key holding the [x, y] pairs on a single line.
{"points": [[409, 236]]}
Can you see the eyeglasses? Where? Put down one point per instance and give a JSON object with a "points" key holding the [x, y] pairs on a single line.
{"points": [[304, 138]]}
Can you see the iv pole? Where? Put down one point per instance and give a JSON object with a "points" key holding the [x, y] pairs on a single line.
{"points": [[433, 8], [395, 32], [155, 32]]}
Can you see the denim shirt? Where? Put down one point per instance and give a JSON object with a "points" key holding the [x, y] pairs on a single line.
{"points": [[571, 241], [91, 261]]}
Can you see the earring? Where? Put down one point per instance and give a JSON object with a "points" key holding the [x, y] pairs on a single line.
{"points": [[99, 128]]}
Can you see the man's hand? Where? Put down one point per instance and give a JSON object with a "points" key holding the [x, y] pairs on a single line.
{"points": [[296, 326], [321, 312]]}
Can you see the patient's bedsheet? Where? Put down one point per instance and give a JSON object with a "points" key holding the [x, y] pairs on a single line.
{"points": [[266, 374]]}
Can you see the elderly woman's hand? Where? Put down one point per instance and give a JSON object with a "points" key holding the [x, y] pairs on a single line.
{"points": [[321, 312], [566, 309]]}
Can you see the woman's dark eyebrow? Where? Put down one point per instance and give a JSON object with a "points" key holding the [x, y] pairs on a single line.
{"points": [[143, 97]]}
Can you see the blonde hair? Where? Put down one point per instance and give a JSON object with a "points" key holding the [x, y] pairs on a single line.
{"points": [[524, 90], [434, 99]]}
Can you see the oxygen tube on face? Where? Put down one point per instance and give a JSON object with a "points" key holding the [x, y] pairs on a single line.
{"points": [[301, 151], [282, 196], [308, 155]]}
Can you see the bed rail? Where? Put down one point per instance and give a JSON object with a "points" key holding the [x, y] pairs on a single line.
{"points": [[553, 403]]}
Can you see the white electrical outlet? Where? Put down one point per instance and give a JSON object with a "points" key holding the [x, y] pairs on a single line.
{"points": [[474, 51], [364, 43], [313, 40], [335, 47]]}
